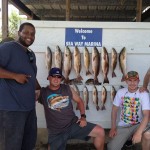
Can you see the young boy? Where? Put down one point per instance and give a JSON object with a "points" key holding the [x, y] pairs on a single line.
{"points": [[134, 114]]}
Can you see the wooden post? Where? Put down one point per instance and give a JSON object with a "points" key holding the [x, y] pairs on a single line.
{"points": [[139, 11], [67, 10], [4, 19]]}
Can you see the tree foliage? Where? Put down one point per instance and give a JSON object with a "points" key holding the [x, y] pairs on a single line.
{"points": [[14, 19]]}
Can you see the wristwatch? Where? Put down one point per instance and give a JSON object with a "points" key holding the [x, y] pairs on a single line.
{"points": [[83, 115]]}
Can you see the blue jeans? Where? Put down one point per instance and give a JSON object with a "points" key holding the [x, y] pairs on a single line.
{"points": [[18, 130]]}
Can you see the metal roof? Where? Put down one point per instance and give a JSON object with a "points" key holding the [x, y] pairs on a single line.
{"points": [[84, 10]]}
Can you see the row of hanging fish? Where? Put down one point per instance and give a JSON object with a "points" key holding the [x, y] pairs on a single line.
{"points": [[99, 103], [99, 60]]}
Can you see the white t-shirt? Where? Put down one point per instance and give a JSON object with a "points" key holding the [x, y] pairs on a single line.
{"points": [[131, 105]]}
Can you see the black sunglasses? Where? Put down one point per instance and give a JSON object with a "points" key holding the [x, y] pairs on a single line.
{"points": [[30, 55], [56, 76]]}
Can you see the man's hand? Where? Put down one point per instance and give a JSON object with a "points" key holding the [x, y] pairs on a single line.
{"points": [[82, 122], [22, 78], [113, 132], [143, 89], [136, 137]]}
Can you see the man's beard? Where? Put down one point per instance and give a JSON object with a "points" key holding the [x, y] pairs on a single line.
{"points": [[21, 41]]}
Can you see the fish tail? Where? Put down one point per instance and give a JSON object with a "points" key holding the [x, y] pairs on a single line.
{"points": [[103, 107], [88, 72], [113, 74], [96, 82], [106, 80], [123, 78], [79, 78], [87, 107], [67, 80], [97, 108]]}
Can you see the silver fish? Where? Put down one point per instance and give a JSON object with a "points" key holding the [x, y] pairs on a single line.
{"points": [[112, 93], [104, 97], [67, 64], [77, 63], [95, 97], [95, 64], [58, 57], [48, 58], [113, 61], [122, 62], [86, 56], [105, 64], [86, 97]]}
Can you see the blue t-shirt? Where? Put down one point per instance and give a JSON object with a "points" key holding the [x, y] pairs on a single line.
{"points": [[13, 95]]}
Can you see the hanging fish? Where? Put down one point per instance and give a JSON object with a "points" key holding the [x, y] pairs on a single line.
{"points": [[86, 97], [75, 87], [105, 64], [58, 57], [67, 64], [104, 97], [112, 93], [77, 63], [95, 64], [86, 57], [95, 97], [122, 62], [48, 58], [113, 61]]}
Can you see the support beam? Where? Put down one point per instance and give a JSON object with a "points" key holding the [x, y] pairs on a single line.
{"points": [[4, 19], [25, 10], [139, 11], [67, 10]]}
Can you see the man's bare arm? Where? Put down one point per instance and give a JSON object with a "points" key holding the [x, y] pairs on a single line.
{"points": [[20, 78], [145, 81], [138, 134]]}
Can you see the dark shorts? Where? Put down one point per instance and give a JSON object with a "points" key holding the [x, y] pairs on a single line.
{"points": [[74, 132], [18, 130]]}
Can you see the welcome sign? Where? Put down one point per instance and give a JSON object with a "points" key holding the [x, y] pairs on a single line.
{"points": [[82, 37]]}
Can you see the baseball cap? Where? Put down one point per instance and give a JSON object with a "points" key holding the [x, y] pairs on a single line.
{"points": [[55, 71], [132, 75]]}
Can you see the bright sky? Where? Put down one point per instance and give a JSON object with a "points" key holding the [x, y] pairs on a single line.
{"points": [[12, 8]]}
